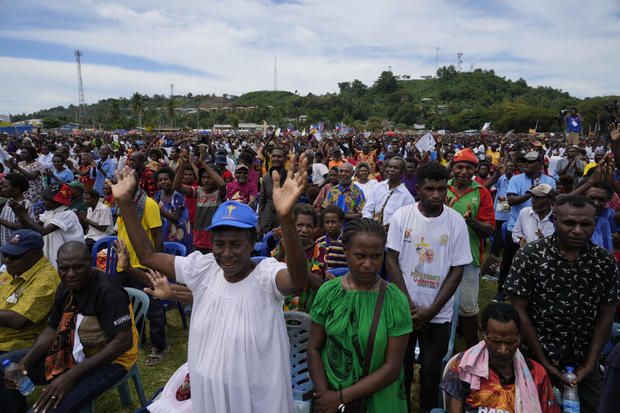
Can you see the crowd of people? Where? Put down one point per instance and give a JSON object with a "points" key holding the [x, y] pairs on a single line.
{"points": [[412, 229]]}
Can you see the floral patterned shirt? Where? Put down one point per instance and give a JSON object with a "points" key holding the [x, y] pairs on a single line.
{"points": [[563, 296], [350, 199]]}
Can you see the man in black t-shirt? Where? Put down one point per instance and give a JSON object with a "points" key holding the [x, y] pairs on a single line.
{"points": [[77, 367]]}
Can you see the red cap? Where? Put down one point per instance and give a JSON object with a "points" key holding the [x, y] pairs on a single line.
{"points": [[465, 155]]}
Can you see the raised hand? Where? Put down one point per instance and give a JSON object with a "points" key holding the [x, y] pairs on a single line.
{"points": [[125, 187], [161, 286], [122, 252], [614, 132], [285, 196], [18, 209]]}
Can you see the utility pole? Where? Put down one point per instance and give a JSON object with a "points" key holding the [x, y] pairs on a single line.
{"points": [[81, 115], [459, 61], [171, 90]]}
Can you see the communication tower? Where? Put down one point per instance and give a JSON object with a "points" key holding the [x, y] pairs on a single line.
{"points": [[81, 100]]}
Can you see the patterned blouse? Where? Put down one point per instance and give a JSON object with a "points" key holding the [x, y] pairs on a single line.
{"points": [[35, 186], [564, 296]]}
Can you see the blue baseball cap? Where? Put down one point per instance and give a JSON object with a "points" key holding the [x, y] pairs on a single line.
{"points": [[233, 214], [22, 241]]}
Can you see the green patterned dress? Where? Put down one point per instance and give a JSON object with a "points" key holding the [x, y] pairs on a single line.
{"points": [[347, 316]]}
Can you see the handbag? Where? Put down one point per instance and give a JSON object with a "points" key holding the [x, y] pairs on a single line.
{"points": [[359, 405], [90, 332]]}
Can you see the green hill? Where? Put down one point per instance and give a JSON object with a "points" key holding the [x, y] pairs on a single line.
{"points": [[451, 100]]}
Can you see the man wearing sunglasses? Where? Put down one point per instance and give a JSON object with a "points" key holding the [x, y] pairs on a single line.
{"points": [[27, 290]]}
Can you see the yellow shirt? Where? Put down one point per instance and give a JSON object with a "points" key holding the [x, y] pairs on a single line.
{"points": [[151, 219], [31, 295], [494, 156]]}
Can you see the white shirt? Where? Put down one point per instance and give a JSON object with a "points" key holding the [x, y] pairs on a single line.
{"points": [[528, 223], [46, 161], [319, 170], [378, 197], [427, 248], [69, 229], [101, 215], [238, 351], [367, 188]]}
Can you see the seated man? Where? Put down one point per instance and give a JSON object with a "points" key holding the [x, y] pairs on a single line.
{"points": [[27, 290], [76, 367], [494, 375]]}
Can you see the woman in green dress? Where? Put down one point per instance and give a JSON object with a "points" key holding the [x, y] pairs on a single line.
{"points": [[342, 315]]}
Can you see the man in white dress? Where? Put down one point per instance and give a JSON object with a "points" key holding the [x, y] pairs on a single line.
{"points": [[238, 353]]}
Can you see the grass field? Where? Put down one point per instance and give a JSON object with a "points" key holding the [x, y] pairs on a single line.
{"points": [[155, 377]]}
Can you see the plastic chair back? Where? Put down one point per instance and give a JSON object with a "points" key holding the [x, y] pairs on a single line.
{"points": [[261, 247], [298, 329], [175, 248], [140, 305], [338, 272], [111, 258], [444, 398], [178, 249]]}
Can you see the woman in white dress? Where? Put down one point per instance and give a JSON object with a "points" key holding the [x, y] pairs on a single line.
{"points": [[238, 354]]}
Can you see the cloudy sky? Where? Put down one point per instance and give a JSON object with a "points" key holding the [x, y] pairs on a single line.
{"points": [[229, 46]]}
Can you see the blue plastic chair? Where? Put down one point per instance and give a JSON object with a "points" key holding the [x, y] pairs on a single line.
{"points": [[140, 305], [111, 259], [298, 329], [178, 249], [258, 259], [338, 272]]}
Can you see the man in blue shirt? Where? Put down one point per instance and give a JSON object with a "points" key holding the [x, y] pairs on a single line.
{"points": [[573, 126], [105, 169], [518, 198]]}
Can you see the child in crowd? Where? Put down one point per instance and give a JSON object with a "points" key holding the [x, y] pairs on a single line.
{"points": [[332, 220]]}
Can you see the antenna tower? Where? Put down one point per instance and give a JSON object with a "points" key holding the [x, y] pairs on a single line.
{"points": [[459, 62], [275, 73], [171, 90], [81, 100]]}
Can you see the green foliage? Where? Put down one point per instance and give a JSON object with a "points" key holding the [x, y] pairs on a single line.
{"points": [[452, 100], [50, 122]]}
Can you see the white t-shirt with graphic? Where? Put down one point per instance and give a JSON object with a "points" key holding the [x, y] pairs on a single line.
{"points": [[427, 248]]}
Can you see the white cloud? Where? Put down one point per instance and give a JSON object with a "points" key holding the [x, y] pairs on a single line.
{"points": [[563, 44]]}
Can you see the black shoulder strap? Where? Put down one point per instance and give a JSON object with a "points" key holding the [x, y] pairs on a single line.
{"points": [[373, 327]]}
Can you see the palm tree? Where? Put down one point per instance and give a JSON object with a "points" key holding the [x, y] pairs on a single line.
{"points": [[137, 105], [170, 110], [114, 110]]}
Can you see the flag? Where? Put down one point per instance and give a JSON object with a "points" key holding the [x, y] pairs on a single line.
{"points": [[339, 128], [532, 131], [313, 128], [486, 126], [291, 129], [264, 127], [320, 126], [303, 132], [278, 132]]}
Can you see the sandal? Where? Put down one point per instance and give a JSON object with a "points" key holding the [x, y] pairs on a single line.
{"points": [[156, 356]]}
